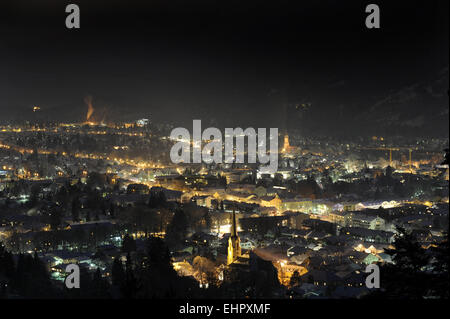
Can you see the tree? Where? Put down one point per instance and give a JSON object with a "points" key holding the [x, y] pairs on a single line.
{"points": [[158, 254], [112, 210], [407, 252], [7, 269], [157, 199], [158, 279], [205, 269], [62, 196], [128, 244], [162, 199], [177, 229], [34, 196], [55, 218], [31, 279], [207, 220], [441, 278], [100, 287], [406, 277], [296, 279], [129, 287], [446, 157], [95, 180], [222, 180], [76, 209], [117, 272], [94, 200]]}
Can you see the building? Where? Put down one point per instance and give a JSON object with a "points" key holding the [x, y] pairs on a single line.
{"points": [[289, 150], [368, 235], [271, 201], [234, 243], [137, 189]]}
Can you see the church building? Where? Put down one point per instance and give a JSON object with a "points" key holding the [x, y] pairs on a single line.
{"points": [[234, 243]]}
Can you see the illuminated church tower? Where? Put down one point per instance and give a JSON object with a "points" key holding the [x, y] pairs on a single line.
{"points": [[288, 149], [286, 146], [234, 243]]}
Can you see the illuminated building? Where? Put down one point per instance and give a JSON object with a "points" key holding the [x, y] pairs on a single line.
{"points": [[142, 122], [234, 243], [286, 145], [271, 201], [289, 150], [286, 270]]}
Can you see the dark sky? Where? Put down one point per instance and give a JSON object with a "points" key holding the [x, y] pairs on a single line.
{"points": [[227, 62]]}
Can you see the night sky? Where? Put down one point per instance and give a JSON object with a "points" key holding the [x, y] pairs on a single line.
{"points": [[231, 63]]}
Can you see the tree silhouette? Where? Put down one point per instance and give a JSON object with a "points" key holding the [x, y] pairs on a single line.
{"points": [[441, 278], [128, 244], [76, 209], [407, 277], [446, 157], [117, 272], [129, 287], [296, 279], [177, 229]]}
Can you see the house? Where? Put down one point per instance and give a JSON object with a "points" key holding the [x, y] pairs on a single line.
{"points": [[308, 291], [370, 222], [260, 191], [137, 189], [271, 201], [297, 204], [171, 195], [321, 277], [422, 235], [128, 199], [369, 235]]}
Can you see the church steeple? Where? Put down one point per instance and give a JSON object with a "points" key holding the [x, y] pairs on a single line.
{"points": [[234, 243], [233, 225], [286, 142]]}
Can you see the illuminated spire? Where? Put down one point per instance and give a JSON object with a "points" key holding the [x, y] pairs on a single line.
{"points": [[234, 243], [233, 225], [286, 142]]}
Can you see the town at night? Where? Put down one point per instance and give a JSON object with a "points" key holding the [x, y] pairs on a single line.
{"points": [[235, 151]]}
